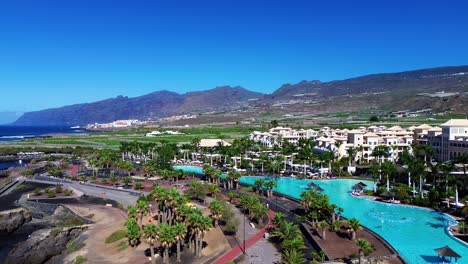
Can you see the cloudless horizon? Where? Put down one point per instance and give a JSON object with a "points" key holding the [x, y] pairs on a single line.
{"points": [[56, 53]]}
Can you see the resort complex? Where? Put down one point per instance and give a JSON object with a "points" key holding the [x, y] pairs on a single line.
{"points": [[375, 194]]}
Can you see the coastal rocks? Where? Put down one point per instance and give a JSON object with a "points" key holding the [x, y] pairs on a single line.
{"points": [[43, 245], [12, 219]]}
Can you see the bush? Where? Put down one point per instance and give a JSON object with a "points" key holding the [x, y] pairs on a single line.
{"points": [[138, 186], [117, 235], [27, 172], [37, 191], [58, 188], [20, 187], [104, 181], [51, 194], [122, 245], [232, 225], [374, 119], [80, 260], [68, 192]]}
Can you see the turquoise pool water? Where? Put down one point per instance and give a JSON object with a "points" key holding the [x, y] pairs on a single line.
{"points": [[414, 232]]}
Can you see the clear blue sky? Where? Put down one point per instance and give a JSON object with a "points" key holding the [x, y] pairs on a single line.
{"points": [[54, 53]]}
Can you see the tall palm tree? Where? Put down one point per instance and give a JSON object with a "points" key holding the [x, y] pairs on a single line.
{"points": [[180, 231], [167, 238], [216, 208], [269, 185], [323, 225], [354, 225], [365, 247], [351, 154], [150, 234], [388, 168], [446, 169], [462, 161], [133, 232], [141, 210]]}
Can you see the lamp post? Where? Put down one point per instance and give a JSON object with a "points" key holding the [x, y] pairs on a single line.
{"points": [[244, 237]]}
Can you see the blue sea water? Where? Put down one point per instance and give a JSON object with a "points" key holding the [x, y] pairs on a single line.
{"points": [[12, 133], [413, 232]]}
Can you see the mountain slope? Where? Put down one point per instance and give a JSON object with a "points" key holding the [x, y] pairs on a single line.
{"points": [[427, 79], [157, 104], [402, 91]]}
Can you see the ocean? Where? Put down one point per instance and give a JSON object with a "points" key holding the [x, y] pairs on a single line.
{"points": [[12, 133]]}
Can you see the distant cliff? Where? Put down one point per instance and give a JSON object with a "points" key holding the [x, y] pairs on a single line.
{"points": [[157, 104], [165, 103]]}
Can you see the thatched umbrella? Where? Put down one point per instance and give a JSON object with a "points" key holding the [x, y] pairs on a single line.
{"points": [[447, 252], [357, 187]]}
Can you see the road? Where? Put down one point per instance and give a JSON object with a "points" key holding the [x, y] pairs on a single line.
{"points": [[119, 196]]}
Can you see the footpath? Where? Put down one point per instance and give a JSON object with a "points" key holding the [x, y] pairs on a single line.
{"points": [[237, 251]]}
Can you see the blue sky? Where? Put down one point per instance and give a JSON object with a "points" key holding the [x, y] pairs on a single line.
{"points": [[54, 53]]}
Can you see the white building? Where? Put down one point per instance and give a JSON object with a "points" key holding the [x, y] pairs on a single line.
{"points": [[277, 135]]}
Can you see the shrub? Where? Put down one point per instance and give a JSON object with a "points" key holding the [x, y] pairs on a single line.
{"points": [[37, 191], [51, 194], [117, 235], [104, 181], [58, 188], [122, 245], [68, 192], [138, 186], [27, 172], [20, 187], [80, 260]]}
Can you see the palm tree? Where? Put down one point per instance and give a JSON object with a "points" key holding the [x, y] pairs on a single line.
{"points": [[133, 232], [216, 208], [269, 185], [380, 152], [418, 169], [231, 196], [286, 231], [293, 256], [336, 225], [388, 168], [180, 231], [213, 188], [259, 185], [462, 160], [365, 247], [351, 153], [141, 210], [324, 226], [296, 243], [258, 212], [446, 169], [167, 238], [131, 212], [354, 225], [150, 234]]}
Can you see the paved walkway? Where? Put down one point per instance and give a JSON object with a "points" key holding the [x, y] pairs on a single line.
{"points": [[237, 251]]}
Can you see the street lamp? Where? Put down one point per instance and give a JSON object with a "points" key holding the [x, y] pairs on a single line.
{"points": [[244, 237]]}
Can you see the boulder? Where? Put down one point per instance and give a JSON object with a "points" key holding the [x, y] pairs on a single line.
{"points": [[12, 219], [43, 245]]}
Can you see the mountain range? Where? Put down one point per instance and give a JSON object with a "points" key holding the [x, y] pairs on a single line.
{"points": [[166, 103]]}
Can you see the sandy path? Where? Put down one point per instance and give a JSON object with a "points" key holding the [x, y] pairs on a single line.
{"points": [[107, 220]]}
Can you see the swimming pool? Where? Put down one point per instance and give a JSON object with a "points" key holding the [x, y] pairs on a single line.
{"points": [[413, 232]]}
